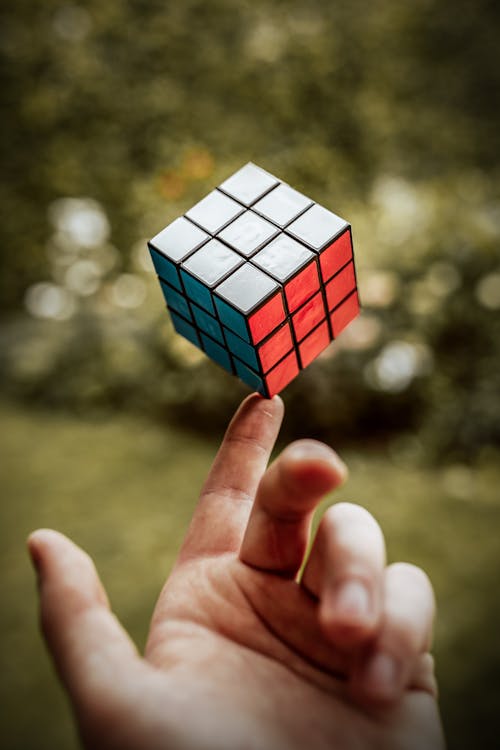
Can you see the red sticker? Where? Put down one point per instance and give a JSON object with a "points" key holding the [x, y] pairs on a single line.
{"points": [[334, 257], [340, 286], [275, 347], [314, 344], [309, 315], [267, 318], [302, 286], [343, 315], [282, 374]]}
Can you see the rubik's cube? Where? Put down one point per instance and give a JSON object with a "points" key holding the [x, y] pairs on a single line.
{"points": [[259, 277]]}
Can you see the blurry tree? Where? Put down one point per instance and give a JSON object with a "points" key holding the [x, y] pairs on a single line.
{"points": [[117, 117]]}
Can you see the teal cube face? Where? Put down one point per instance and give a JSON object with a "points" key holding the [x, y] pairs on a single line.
{"points": [[176, 301], [165, 269], [249, 377], [198, 293], [216, 352], [208, 324], [242, 349], [232, 319], [259, 277], [185, 329]]}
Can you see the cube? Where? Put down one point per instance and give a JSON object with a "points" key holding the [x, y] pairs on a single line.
{"points": [[258, 276]]}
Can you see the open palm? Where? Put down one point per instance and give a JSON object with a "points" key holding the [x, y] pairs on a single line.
{"points": [[242, 652]]}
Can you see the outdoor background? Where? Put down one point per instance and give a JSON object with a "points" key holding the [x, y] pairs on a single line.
{"points": [[117, 117]]}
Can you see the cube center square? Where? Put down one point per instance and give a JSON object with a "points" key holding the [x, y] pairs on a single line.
{"points": [[248, 233], [258, 276]]}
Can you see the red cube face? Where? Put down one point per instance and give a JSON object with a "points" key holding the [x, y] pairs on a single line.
{"points": [[259, 277], [275, 347], [284, 372], [267, 318], [302, 286], [342, 316], [340, 286], [308, 316], [336, 256], [314, 344]]}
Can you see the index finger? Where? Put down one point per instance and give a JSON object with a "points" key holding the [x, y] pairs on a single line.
{"points": [[222, 512]]}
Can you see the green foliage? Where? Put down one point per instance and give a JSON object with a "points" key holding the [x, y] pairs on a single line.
{"points": [[384, 112]]}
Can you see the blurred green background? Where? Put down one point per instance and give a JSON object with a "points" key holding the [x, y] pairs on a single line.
{"points": [[116, 118]]}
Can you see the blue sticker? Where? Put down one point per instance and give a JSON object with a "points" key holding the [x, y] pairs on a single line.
{"points": [[232, 319], [165, 268], [199, 293], [242, 350], [217, 353], [185, 329], [249, 377], [176, 301]]}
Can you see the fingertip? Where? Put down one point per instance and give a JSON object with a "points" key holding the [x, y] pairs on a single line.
{"points": [[277, 406], [276, 403], [310, 461], [41, 541], [272, 408], [42, 535], [36, 542]]}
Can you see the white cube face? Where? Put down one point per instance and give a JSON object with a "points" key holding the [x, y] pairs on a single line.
{"points": [[212, 262], [317, 226], [249, 184], [246, 288], [248, 233], [179, 239], [283, 257], [282, 205], [214, 211]]}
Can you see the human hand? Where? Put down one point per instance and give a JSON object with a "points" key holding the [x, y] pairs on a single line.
{"points": [[242, 651]]}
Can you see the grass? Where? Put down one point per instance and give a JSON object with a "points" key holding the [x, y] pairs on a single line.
{"points": [[125, 489]]}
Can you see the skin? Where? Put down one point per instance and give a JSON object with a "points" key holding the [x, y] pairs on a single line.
{"points": [[244, 652]]}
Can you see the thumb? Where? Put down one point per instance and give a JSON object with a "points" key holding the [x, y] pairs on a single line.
{"points": [[92, 652]]}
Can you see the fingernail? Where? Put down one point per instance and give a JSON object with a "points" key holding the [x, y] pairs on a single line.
{"points": [[352, 601], [381, 676]]}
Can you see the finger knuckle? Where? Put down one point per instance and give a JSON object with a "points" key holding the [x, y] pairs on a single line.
{"points": [[248, 440]]}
